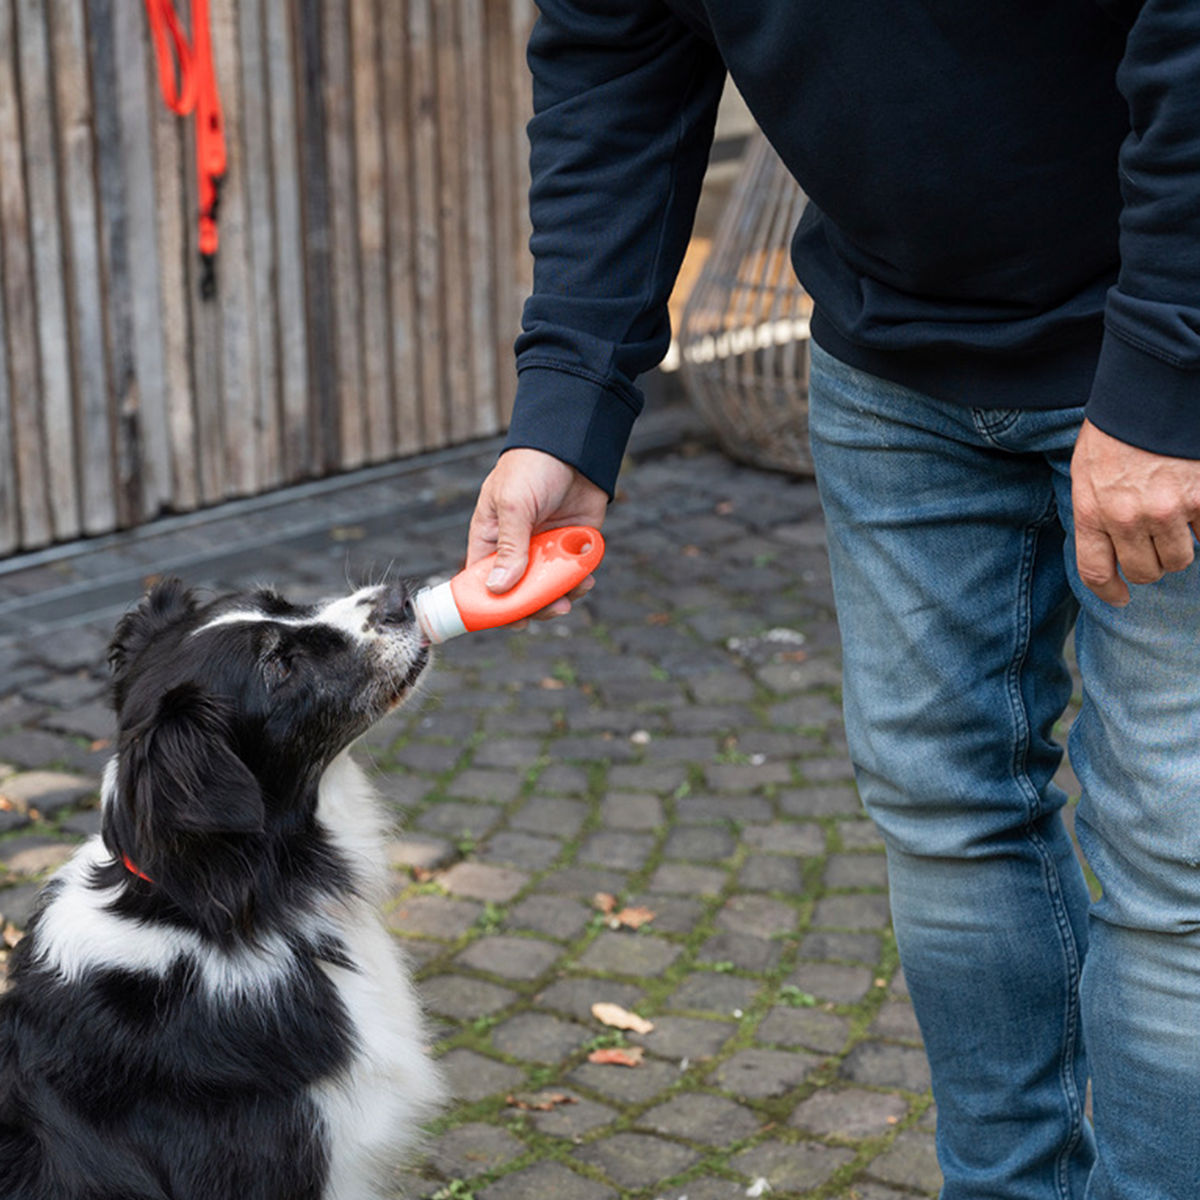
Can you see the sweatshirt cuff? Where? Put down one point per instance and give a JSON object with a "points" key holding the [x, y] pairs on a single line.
{"points": [[574, 417], [1146, 402]]}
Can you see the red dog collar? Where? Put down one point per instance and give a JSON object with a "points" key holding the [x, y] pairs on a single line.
{"points": [[130, 867]]}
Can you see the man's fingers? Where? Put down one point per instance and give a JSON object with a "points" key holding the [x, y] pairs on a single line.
{"points": [[1176, 549], [1096, 557]]}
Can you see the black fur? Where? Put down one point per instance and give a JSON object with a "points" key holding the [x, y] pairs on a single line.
{"points": [[123, 1082]]}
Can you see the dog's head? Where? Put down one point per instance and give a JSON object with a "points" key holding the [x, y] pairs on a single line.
{"points": [[229, 711]]}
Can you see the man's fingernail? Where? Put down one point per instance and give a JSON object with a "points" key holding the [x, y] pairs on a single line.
{"points": [[496, 578]]}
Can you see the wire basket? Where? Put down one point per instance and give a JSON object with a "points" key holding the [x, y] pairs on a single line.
{"points": [[744, 331]]}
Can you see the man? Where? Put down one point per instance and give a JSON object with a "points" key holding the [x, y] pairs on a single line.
{"points": [[1003, 248]]}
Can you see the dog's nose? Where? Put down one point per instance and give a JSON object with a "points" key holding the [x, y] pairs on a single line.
{"points": [[394, 605]]}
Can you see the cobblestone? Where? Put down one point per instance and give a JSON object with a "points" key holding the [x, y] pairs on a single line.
{"points": [[510, 957], [629, 954], [538, 1038], [482, 881], [554, 916], [756, 1073], [46, 791], [702, 1118], [885, 1065], [686, 1037], [547, 1181], [655, 747], [850, 1114], [636, 1160]]}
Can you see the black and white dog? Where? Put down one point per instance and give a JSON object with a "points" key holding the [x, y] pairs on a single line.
{"points": [[206, 1005]]}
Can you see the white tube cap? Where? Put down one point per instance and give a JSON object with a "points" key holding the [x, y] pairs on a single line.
{"points": [[437, 613]]}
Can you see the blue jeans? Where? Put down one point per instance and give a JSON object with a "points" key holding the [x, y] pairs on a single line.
{"points": [[950, 537]]}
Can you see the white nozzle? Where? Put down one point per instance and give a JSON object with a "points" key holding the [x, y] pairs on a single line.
{"points": [[437, 613]]}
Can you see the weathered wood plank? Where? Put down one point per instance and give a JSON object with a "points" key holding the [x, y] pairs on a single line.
{"points": [[114, 255], [454, 145], [426, 135], [31, 517], [125, 195], [516, 275], [314, 185], [238, 316], [346, 291], [398, 98], [289, 245], [77, 166], [49, 264], [205, 344], [147, 399], [10, 530], [254, 120], [367, 42], [479, 315], [173, 218], [502, 101]]}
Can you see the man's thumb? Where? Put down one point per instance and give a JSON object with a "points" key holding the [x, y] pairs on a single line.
{"points": [[512, 557]]}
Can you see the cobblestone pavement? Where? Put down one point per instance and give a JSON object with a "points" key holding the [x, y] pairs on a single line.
{"points": [[675, 745]]}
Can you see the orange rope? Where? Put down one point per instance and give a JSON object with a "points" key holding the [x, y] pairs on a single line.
{"points": [[194, 90]]}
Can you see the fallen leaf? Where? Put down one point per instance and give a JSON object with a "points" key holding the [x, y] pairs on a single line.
{"points": [[6, 805], [659, 618], [620, 1018], [543, 1103], [630, 1056], [12, 935], [633, 918], [604, 902], [550, 684], [100, 744]]}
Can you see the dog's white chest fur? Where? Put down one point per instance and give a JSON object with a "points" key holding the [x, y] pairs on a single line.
{"points": [[373, 1111]]}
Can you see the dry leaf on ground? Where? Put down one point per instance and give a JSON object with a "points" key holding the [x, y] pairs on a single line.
{"points": [[634, 918], [620, 1018], [630, 1056]]}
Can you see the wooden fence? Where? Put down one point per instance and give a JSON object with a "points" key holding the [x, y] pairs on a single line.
{"points": [[372, 265]]}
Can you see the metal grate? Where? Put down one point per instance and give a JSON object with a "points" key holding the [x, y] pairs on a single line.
{"points": [[744, 332]]}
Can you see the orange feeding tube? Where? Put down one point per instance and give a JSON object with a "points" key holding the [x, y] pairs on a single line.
{"points": [[559, 559]]}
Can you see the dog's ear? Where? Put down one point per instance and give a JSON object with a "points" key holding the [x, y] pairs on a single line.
{"points": [[181, 775], [162, 606]]}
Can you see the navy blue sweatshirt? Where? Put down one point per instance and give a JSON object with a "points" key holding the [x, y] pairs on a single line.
{"points": [[1004, 200]]}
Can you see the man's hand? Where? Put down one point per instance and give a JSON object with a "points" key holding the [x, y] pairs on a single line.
{"points": [[1133, 509], [526, 492]]}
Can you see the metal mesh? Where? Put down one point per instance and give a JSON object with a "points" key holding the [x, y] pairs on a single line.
{"points": [[744, 331]]}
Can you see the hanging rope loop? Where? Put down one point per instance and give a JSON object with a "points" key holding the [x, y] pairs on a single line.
{"points": [[188, 82]]}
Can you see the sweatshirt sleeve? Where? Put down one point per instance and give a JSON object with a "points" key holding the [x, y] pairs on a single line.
{"points": [[625, 98], [1147, 386]]}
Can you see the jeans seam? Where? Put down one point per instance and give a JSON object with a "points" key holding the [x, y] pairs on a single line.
{"points": [[992, 429], [1020, 772]]}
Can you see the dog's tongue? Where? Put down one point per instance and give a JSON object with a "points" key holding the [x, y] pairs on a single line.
{"points": [[559, 560]]}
